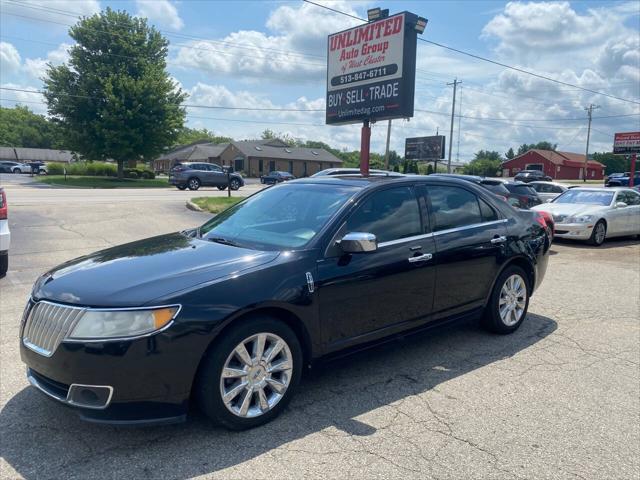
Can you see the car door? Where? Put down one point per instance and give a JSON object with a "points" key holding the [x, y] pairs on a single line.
{"points": [[629, 215], [365, 296], [470, 237], [218, 177]]}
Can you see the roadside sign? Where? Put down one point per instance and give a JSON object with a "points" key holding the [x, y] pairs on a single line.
{"points": [[424, 148], [628, 142], [371, 71]]}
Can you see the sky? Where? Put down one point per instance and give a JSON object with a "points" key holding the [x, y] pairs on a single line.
{"points": [[272, 54]]}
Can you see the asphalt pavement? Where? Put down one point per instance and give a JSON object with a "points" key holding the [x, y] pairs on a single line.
{"points": [[560, 398]]}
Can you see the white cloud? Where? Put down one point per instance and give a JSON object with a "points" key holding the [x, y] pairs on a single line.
{"points": [[161, 12], [36, 67], [52, 10], [14, 97], [296, 49], [9, 58]]}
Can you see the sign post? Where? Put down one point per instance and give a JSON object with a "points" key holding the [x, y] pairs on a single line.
{"points": [[628, 143], [371, 72]]}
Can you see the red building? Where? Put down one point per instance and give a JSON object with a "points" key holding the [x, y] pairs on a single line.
{"points": [[557, 165]]}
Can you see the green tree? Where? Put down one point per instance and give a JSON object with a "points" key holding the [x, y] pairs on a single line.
{"points": [[20, 127], [510, 154], [487, 154], [612, 163], [188, 135], [544, 145], [285, 137], [114, 98], [485, 167]]}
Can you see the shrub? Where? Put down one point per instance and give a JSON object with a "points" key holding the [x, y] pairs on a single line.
{"points": [[148, 175], [55, 168], [131, 173]]}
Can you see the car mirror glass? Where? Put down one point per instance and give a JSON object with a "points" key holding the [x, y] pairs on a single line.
{"points": [[620, 204], [358, 242]]}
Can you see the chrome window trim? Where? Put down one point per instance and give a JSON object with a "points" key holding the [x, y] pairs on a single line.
{"points": [[441, 232]]}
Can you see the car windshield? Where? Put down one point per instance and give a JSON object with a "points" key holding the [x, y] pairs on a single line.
{"points": [[585, 197], [278, 218]]}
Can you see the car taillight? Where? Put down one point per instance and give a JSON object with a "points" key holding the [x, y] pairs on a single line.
{"points": [[540, 218], [3, 206]]}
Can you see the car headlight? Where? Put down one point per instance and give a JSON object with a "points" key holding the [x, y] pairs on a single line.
{"points": [[105, 324], [580, 219]]}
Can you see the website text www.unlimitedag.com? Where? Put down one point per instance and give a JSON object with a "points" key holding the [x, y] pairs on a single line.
{"points": [[349, 112]]}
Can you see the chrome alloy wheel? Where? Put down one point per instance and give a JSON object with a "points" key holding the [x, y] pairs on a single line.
{"points": [[513, 300], [600, 233], [256, 375]]}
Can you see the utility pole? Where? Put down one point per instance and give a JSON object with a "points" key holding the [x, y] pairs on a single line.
{"points": [[453, 112], [386, 152], [589, 110]]}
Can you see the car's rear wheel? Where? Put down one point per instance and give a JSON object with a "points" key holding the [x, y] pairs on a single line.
{"points": [[193, 183], [4, 264], [599, 234], [509, 301], [235, 184], [250, 374]]}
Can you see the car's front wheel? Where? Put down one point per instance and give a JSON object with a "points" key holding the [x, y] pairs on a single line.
{"points": [[599, 234], [235, 184], [193, 184], [17, 170], [250, 374], [509, 301]]}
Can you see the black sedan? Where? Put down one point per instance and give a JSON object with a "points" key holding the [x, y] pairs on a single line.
{"points": [[532, 175], [276, 177], [230, 314]]}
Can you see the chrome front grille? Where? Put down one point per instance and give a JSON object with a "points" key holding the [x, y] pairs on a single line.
{"points": [[47, 325]]}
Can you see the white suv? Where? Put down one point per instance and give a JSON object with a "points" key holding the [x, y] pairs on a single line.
{"points": [[5, 234]]}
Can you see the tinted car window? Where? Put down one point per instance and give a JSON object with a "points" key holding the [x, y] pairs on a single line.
{"points": [[629, 198], [454, 207], [390, 214], [521, 189], [487, 211], [215, 168], [495, 187]]}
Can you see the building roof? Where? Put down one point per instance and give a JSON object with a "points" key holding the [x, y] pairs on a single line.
{"points": [[195, 152], [22, 154], [275, 148], [568, 159]]}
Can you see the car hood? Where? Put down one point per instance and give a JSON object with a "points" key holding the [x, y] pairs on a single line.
{"points": [[569, 209], [136, 273]]}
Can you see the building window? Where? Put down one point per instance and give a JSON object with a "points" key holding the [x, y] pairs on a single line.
{"points": [[290, 166], [238, 165], [272, 166], [304, 172], [260, 166]]}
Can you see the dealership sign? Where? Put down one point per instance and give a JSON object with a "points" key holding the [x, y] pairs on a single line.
{"points": [[371, 71], [424, 148], [628, 142]]}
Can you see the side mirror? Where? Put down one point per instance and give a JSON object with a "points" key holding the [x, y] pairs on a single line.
{"points": [[358, 242], [620, 204]]}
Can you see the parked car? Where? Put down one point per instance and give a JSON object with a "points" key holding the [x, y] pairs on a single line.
{"points": [[38, 168], [5, 234], [354, 171], [193, 175], [232, 312], [276, 177], [531, 175], [594, 214], [547, 191], [623, 181], [521, 194], [493, 185], [15, 167]]}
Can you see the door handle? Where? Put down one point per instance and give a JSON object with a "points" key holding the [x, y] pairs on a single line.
{"points": [[499, 239], [420, 258]]}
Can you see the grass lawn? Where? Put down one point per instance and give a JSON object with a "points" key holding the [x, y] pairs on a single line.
{"points": [[102, 182], [215, 204]]}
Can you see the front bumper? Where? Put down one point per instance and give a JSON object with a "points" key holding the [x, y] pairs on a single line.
{"points": [[138, 381], [576, 231]]}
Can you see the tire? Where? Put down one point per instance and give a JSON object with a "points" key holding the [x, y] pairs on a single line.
{"points": [[235, 184], [512, 289], [4, 265], [193, 183], [599, 233], [222, 187], [17, 170], [210, 384]]}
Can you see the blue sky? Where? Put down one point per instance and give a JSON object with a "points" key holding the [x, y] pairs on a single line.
{"points": [[272, 54]]}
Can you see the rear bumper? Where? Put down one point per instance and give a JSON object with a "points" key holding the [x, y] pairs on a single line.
{"points": [[5, 236]]}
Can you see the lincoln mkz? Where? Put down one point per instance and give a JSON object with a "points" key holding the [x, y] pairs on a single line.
{"points": [[230, 314]]}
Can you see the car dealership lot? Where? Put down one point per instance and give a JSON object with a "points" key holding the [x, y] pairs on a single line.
{"points": [[557, 399]]}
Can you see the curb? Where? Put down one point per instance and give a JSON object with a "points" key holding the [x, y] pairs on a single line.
{"points": [[192, 206]]}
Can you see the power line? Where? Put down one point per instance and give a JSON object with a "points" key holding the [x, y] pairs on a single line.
{"points": [[478, 57]]}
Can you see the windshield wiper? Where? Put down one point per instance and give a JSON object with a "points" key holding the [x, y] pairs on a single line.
{"points": [[223, 241]]}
